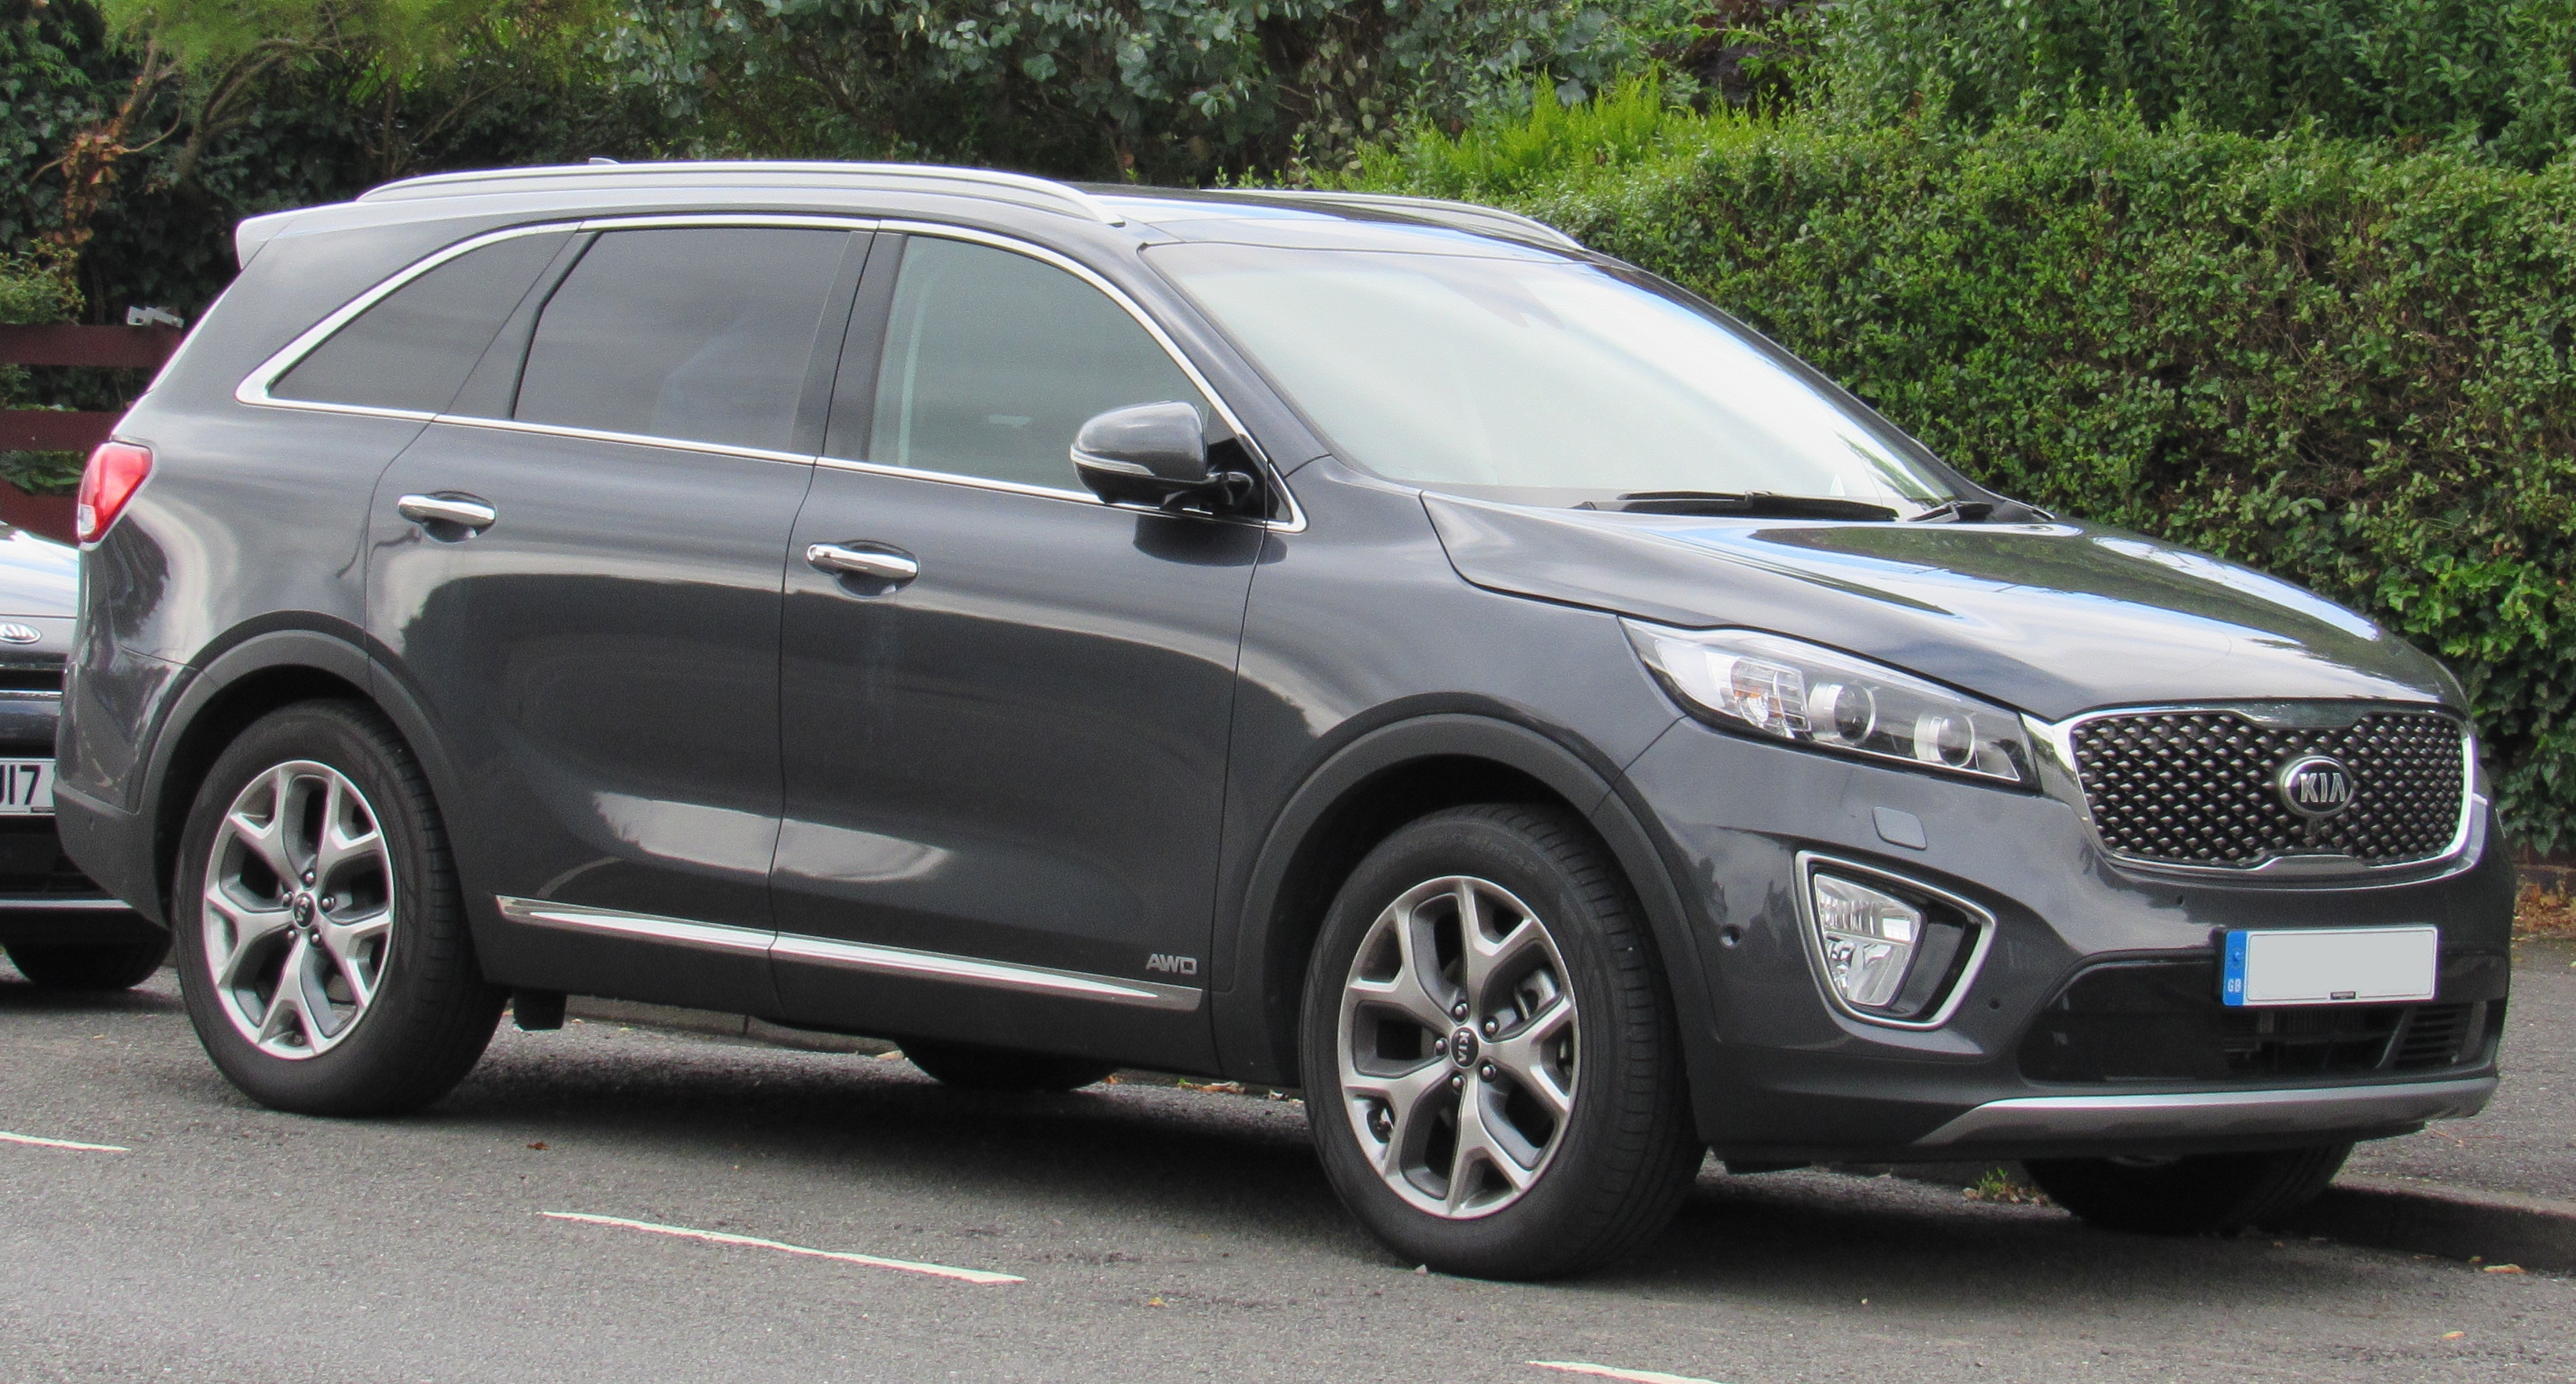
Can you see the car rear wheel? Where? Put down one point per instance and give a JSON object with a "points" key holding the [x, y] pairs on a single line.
{"points": [[995, 1069], [321, 935], [2188, 1196], [1491, 1063], [88, 965]]}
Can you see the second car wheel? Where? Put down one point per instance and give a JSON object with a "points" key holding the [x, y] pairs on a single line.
{"points": [[1491, 1063], [2193, 1195], [998, 1069], [320, 932], [89, 965]]}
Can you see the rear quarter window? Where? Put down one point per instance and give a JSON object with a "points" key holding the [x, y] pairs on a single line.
{"points": [[414, 347]]}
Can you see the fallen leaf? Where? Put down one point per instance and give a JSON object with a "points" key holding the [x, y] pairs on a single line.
{"points": [[894, 1056], [538, 1144], [2453, 1335], [2504, 1268], [1153, 1302]]}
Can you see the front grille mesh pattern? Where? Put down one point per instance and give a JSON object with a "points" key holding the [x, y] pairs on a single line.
{"points": [[2196, 787]]}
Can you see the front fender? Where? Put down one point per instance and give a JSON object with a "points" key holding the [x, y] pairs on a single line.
{"points": [[1260, 962]]}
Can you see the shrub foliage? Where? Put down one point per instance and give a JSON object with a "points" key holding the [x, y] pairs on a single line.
{"points": [[2343, 364]]}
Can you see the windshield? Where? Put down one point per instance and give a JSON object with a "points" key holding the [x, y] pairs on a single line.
{"points": [[1539, 381]]}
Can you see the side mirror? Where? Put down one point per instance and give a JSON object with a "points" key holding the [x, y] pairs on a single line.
{"points": [[1153, 454]]}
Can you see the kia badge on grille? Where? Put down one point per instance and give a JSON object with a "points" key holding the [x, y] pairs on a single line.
{"points": [[2315, 785], [17, 633]]}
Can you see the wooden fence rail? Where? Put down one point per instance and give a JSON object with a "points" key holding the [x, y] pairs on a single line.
{"points": [[64, 430]]}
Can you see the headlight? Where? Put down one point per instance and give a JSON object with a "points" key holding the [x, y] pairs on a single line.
{"points": [[1790, 690]]}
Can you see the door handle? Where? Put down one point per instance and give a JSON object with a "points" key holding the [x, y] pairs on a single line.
{"points": [[462, 511], [876, 563]]}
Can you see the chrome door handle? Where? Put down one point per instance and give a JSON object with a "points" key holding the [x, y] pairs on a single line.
{"points": [[463, 511], [862, 562]]}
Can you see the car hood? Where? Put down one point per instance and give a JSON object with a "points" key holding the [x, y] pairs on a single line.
{"points": [[38, 576], [2053, 619]]}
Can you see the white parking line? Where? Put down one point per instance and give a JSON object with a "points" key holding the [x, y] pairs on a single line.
{"points": [[1606, 1372], [9, 1138], [718, 1237]]}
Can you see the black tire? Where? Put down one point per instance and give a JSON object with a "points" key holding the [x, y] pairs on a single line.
{"points": [[1621, 1158], [89, 965], [2198, 1195], [431, 1013], [995, 1069]]}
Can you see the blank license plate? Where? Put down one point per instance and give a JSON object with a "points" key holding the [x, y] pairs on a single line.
{"points": [[26, 787], [2344, 965]]}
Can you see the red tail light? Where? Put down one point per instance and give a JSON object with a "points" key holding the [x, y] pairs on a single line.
{"points": [[115, 471]]}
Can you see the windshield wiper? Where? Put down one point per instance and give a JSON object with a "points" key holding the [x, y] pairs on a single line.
{"points": [[1981, 512], [1762, 504]]}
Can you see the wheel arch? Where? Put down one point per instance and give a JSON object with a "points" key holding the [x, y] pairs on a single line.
{"points": [[254, 676], [1364, 791]]}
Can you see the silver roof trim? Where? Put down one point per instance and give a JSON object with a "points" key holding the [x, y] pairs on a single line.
{"points": [[926, 177], [1464, 216]]}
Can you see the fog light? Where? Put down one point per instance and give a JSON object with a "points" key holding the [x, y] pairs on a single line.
{"points": [[1868, 937]]}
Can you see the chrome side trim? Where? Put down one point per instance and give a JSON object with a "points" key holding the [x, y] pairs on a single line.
{"points": [[991, 975], [40, 904], [1807, 864], [2212, 1114], [1082, 203], [254, 386], [671, 444], [568, 917], [854, 956], [2059, 737]]}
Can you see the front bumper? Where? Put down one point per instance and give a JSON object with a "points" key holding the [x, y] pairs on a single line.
{"points": [[1782, 1075]]}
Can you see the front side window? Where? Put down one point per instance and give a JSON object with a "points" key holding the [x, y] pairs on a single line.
{"points": [[1540, 380], [994, 360], [414, 347], [702, 334]]}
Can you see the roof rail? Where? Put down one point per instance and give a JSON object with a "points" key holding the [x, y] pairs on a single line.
{"points": [[1464, 216], [1057, 196]]}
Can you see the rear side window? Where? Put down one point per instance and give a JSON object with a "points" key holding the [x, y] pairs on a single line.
{"points": [[700, 334], [993, 361], [412, 350]]}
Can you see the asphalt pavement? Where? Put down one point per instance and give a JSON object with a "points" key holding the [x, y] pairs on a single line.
{"points": [[2524, 1142], [550, 1222]]}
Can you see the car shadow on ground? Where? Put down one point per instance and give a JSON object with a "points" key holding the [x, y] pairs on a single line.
{"points": [[1242, 1166], [20, 997]]}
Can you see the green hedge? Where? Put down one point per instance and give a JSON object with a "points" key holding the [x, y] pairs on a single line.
{"points": [[2346, 366]]}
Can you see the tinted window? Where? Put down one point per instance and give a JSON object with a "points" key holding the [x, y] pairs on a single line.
{"points": [[702, 334], [414, 347], [993, 361]]}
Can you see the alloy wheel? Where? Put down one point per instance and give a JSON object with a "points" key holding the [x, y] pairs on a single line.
{"points": [[1457, 1047], [298, 909]]}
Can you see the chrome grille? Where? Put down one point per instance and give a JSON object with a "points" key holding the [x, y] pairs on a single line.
{"points": [[2196, 787]]}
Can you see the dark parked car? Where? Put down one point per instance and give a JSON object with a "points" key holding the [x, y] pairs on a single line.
{"points": [[61, 931], [1371, 645]]}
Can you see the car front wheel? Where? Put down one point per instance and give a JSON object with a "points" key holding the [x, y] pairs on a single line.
{"points": [[1491, 1064], [320, 932]]}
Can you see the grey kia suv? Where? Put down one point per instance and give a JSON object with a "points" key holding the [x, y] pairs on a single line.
{"points": [[1364, 644]]}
